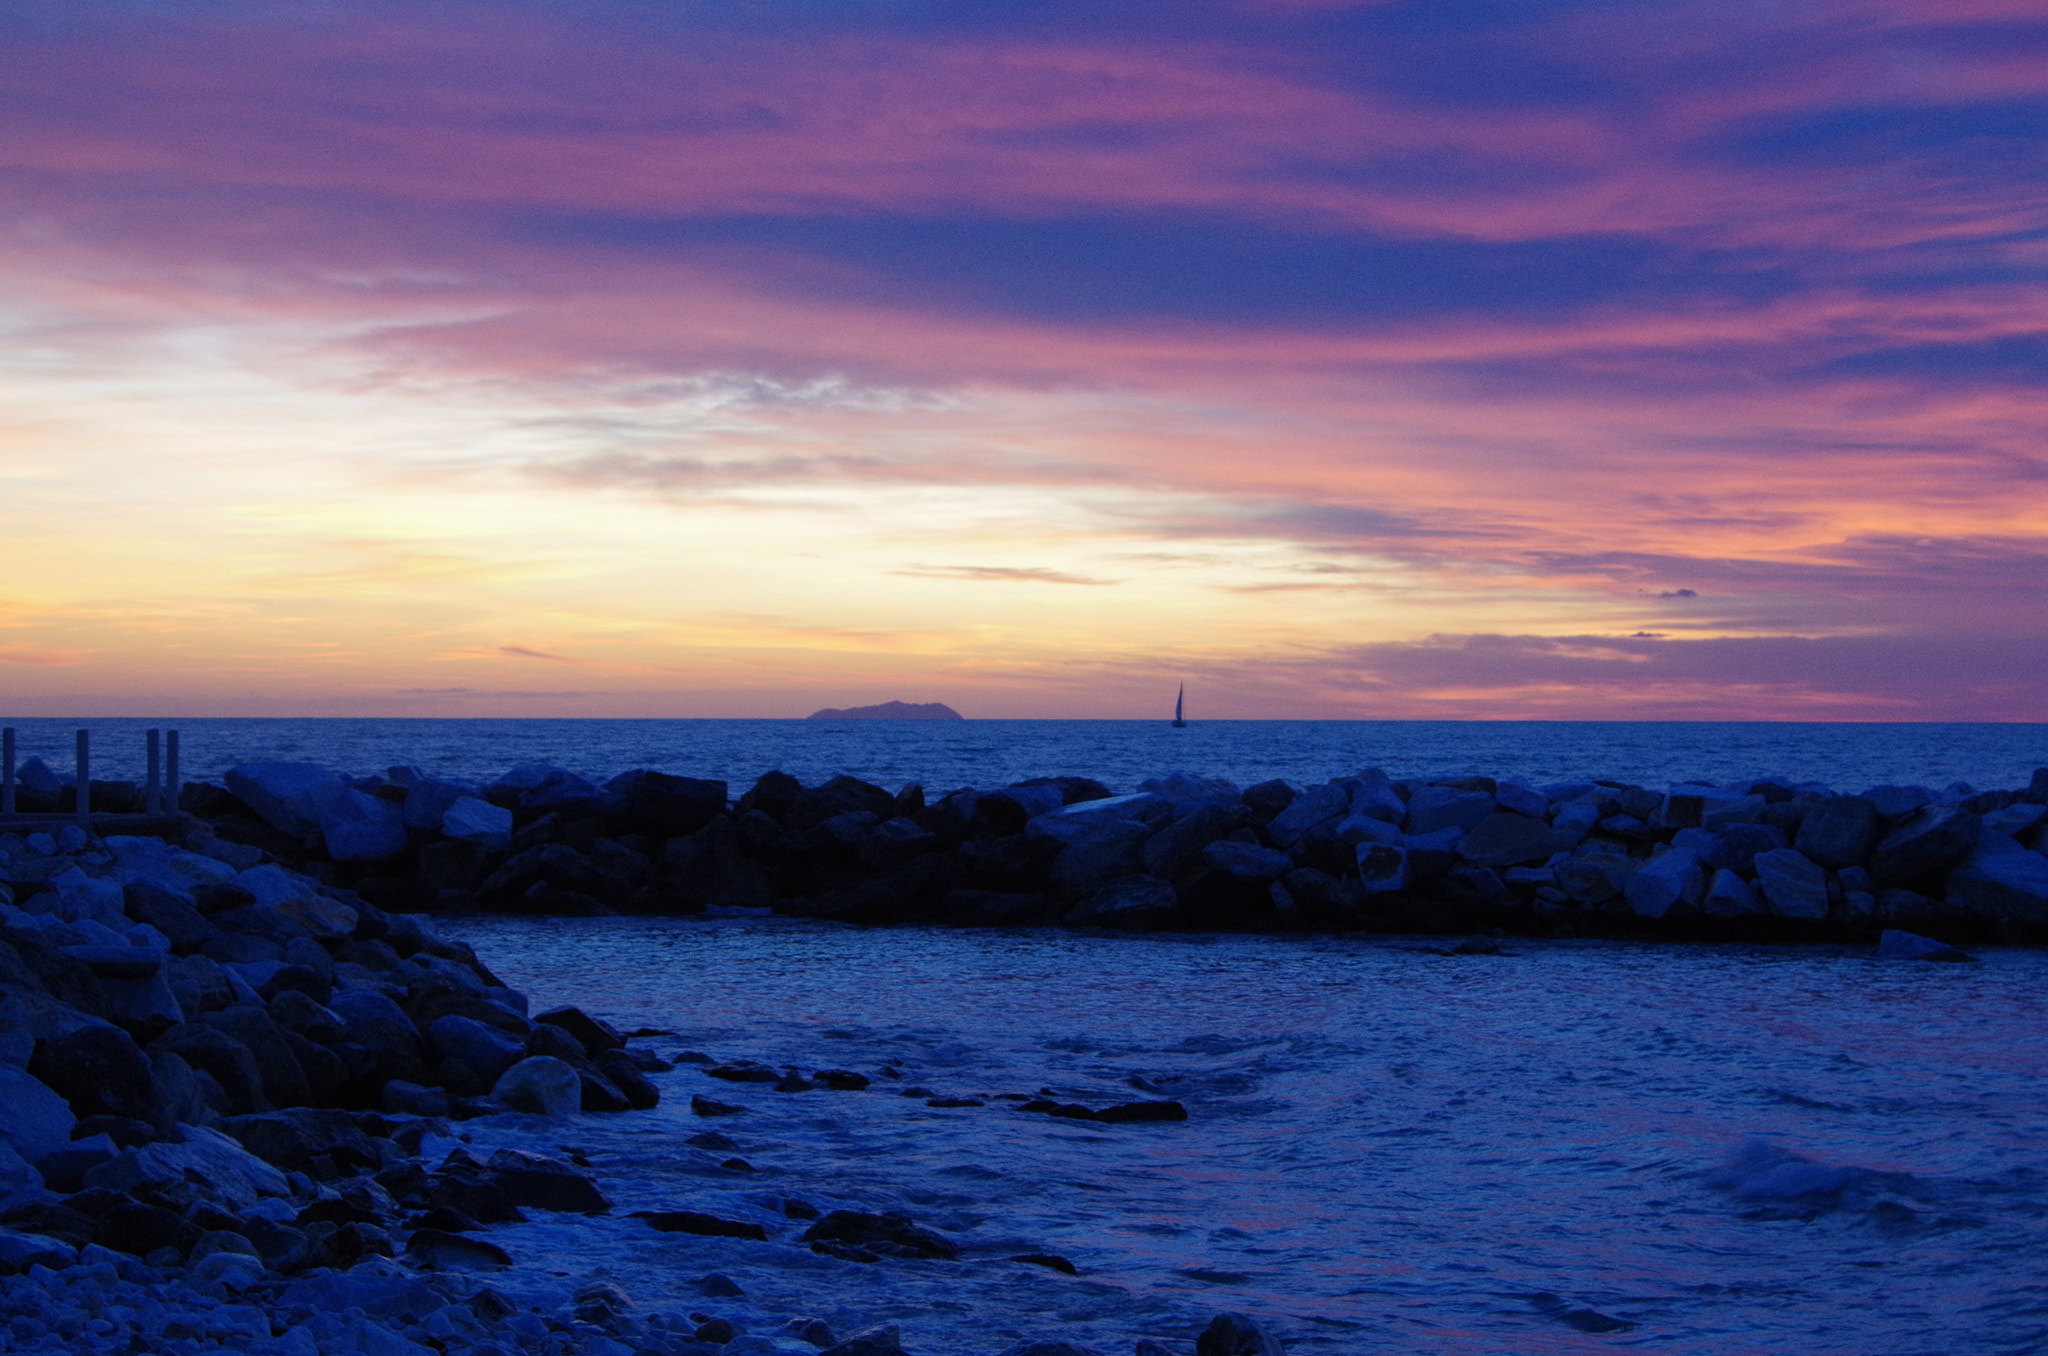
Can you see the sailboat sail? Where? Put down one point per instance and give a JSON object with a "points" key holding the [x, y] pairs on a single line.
{"points": [[1179, 721]]}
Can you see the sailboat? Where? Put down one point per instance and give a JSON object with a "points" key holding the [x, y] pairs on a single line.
{"points": [[1180, 722]]}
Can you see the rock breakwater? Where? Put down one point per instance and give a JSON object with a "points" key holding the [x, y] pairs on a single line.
{"points": [[1753, 860]]}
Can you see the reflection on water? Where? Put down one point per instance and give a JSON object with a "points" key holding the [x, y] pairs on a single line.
{"points": [[1688, 1149]]}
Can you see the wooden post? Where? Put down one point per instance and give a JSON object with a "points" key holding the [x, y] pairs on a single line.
{"points": [[7, 771], [84, 806], [172, 790], [152, 795]]}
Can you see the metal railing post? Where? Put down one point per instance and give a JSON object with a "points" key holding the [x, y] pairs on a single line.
{"points": [[172, 790], [152, 795], [84, 805]]}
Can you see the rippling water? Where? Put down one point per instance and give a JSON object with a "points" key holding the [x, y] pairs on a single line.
{"points": [[949, 754], [1389, 1150]]}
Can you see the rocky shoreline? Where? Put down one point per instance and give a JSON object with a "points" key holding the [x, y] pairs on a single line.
{"points": [[1760, 860], [246, 1110], [251, 1102]]}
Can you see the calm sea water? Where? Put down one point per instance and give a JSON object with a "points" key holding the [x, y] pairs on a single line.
{"points": [[949, 754], [1389, 1151]]}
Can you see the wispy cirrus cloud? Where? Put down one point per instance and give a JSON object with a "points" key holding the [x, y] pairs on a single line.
{"points": [[1376, 321]]}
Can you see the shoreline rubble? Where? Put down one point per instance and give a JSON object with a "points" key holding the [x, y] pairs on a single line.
{"points": [[245, 1109]]}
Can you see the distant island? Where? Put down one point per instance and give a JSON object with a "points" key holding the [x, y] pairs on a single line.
{"points": [[890, 711]]}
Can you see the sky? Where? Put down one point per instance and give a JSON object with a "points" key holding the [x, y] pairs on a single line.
{"points": [[1478, 359]]}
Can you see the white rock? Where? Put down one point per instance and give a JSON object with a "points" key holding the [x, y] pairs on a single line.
{"points": [[541, 1085], [288, 796], [472, 820]]}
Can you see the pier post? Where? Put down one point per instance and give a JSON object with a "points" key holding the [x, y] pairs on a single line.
{"points": [[152, 795], [84, 806], [172, 790], [7, 771]]}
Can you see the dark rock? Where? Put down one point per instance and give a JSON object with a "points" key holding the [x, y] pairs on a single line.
{"points": [[543, 1183], [708, 1226], [468, 1191], [221, 1057], [292, 1138], [1897, 945], [1268, 799], [1316, 806], [1247, 861], [1050, 1261], [454, 1252], [668, 805], [887, 1234], [1444, 807], [483, 1052], [744, 1072], [1932, 840], [379, 1025], [1131, 1113], [716, 1331], [1839, 832], [99, 1070], [1232, 1334], [180, 923], [1134, 903], [1735, 847], [2001, 880], [711, 1139], [717, 1285], [618, 1067], [840, 1080], [704, 1106], [284, 1078], [64, 978], [885, 1340], [1504, 838], [594, 1034]]}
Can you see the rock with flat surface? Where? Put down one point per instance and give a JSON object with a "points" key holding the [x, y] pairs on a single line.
{"points": [[1839, 832], [471, 820], [1795, 885], [1664, 883], [2001, 879], [1900, 945], [1505, 838], [33, 1118], [1931, 841], [1730, 896]]}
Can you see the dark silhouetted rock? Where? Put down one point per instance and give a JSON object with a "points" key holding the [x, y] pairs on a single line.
{"points": [[1232, 1334], [1508, 839], [1931, 841], [708, 1226], [888, 1234]]}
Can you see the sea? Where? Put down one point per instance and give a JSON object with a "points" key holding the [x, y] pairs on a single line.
{"points": [[1567, 1147], [945, 755]]}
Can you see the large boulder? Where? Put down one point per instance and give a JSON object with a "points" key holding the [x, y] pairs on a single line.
{"points": [[100, 1071], [484, 1051], [1596, 877], [1313, 808], [2001, 879], [668, 805], [470, 820], [1730, 896], [289, 797], [1839, 832], [1096, 852], [1447, 807], [33, 1118], [1247, 862], [1930, 841], [1672, 881], [1236, 1335], [1795, 885], [541, 1085], [1505, 838]]}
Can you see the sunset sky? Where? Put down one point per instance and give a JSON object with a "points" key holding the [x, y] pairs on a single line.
{"points": [[1442, 358]]}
